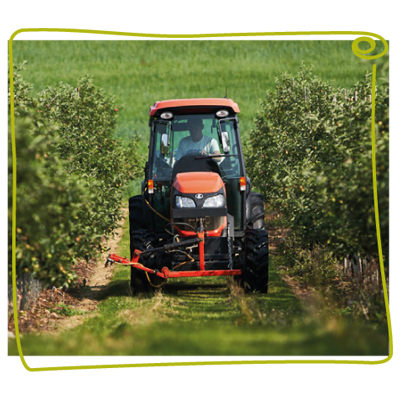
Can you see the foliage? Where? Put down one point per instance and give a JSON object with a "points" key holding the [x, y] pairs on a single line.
{"points": [[70, 178], [339, 293], [64, 309], [310, 155], [87, 118], [22, 89], [48, 199]]}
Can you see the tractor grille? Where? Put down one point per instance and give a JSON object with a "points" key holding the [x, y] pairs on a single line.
{"points": [[210, 223]]}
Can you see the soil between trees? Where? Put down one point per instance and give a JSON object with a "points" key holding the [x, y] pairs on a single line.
{"points": [[56, 309]]}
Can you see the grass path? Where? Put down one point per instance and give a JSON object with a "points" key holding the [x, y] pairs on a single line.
{"points": [[204, 317]]}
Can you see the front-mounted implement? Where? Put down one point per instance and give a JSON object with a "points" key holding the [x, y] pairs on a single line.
{"points": [[197, 215], [165, 273]]}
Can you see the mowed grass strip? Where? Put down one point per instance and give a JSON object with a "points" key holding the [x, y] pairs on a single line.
{"points": [[205, 317]]}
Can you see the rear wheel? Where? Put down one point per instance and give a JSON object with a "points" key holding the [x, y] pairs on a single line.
{"points": [[142, 239], [255, 212], [255, 271]]}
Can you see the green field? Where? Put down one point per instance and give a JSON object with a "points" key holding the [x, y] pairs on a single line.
{"points": [[139, 73]]}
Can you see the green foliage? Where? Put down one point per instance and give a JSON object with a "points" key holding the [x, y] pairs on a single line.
{"points": [[22, 89], [64, 309], [87, 118], [71, 174], [339, 293], [48, 199], [310, 155]]}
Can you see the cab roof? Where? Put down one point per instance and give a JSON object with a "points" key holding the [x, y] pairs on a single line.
{"points": [[170, 104]]}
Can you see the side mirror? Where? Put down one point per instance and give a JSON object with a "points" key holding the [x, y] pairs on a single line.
{"points": [[164, 146], [226, 144]]}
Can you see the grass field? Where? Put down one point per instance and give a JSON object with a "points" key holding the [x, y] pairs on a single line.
{"points": [[139, 73]]}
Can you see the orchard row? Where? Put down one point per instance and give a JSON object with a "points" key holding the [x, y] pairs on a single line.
{"points": [[71, 173], [310, 155]]}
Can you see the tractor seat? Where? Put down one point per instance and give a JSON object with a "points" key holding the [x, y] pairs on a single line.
{"points": [[189, 163]]}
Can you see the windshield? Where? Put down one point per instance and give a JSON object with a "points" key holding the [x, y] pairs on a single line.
{"points": [[194, 135]]}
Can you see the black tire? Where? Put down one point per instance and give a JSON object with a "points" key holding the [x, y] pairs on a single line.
{"points": [[142, 239], [255, 271], [255, 211], [136, 217]]}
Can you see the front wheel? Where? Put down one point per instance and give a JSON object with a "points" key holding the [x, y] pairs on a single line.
{"points": [[136, 217], [143, 239]]}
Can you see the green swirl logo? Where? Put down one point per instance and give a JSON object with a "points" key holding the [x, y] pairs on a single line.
{"points": [[362, 53]]}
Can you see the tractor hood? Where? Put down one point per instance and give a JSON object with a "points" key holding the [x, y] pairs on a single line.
{"points": [[198, 182], [199, 195]]}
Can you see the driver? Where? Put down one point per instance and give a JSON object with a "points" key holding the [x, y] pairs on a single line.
{"points": [[197, 143]]}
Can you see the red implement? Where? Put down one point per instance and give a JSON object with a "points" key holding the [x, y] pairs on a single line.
{"points": [[166, 273]]}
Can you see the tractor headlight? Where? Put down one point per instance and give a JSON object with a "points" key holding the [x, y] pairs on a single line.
{"points": [[184, 202], [215, 201]]}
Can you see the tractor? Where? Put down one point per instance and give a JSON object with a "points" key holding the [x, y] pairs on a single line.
{"points": [[196, 214]]}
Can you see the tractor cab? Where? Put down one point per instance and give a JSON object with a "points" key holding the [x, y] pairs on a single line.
{"points": [[200, 135]]}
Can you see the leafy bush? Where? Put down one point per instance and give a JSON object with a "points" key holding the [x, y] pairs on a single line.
{"points": [[48, 198], [310, 155], [70, 176], [87, 118]]}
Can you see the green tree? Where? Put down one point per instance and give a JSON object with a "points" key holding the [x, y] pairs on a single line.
{"points": [[48, 198], [87, 119], [71, 173], [310, 155]]}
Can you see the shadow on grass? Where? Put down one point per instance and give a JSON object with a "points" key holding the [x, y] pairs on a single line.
{"points": [[116, 288], [121, 338], [201, 317]]}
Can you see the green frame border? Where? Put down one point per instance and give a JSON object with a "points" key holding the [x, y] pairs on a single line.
{"points": [[283, 378]]}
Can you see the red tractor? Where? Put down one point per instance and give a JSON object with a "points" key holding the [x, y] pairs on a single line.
{"points": [[197, 215]]}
